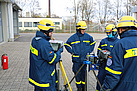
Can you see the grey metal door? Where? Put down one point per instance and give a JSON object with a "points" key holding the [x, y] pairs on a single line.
{"points": [[1, 30]]}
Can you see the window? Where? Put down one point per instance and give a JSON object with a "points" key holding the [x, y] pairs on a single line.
{"points": [[57, 23], [20, 24], [27, 24], [35, 24]]}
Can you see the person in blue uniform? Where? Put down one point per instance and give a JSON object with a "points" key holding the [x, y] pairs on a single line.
{"points": [[78, 45], [43, 58], [106, 44], [121, 65]]}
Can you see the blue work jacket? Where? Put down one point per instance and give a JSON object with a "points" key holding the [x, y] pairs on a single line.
{"points": [[42, 62], [122, 64], [107, 44], [79, 45]]}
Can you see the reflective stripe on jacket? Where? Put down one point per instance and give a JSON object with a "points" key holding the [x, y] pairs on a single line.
{"points": [[79, 45], [122, 64], [42, 61], [107, 44]]}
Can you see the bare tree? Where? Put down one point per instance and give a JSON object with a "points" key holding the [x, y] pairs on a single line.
{"points": [[89, 6], [44, 14], [22, 4], [132, 3], [75, 10], [117, 7], [34, 5], [129, 4], [104, 10], [28, 5], [86, 8], [81, 8]]}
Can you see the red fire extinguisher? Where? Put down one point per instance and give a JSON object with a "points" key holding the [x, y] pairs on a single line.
{"points": [[5, 61]]}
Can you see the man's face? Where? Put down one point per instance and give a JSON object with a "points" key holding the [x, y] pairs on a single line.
{"points": [[82, 31], [108, 33], [50, 33]]}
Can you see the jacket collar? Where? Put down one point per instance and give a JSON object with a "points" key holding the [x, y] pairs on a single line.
{"points": [[129, 33], [112, 39], [41, 34], [79, 34]]}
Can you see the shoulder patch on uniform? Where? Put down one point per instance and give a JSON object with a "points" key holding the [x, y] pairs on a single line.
{"points": [[37, 38], [110, 56], [109, 62]]}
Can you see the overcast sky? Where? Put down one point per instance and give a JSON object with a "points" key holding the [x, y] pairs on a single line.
{"points": [[58, 7]]}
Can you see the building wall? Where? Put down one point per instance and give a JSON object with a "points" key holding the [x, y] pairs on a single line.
{"points": [[135, 15], [32, 22], [7, 30], [134, 12], [15, 23], [5, 21], [1, 30], [10, 22]]}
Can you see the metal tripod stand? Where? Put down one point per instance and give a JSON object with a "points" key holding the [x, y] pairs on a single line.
{"points": [[88, 64], [65, 79]]}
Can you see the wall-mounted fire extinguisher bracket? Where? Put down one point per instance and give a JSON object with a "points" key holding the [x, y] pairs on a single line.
{"points": [[4, 61]]}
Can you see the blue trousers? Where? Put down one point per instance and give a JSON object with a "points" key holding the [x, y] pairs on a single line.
{"points": [[80, 78], [101, 75]]}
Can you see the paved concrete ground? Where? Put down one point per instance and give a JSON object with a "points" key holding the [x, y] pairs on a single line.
{"points": [[16, 77]]}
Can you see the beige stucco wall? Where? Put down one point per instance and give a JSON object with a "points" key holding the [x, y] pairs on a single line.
{"points": [[5, 21], [37, 20]]}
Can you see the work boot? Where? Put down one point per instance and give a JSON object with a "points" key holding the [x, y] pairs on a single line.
{"points": [[79, 89]]}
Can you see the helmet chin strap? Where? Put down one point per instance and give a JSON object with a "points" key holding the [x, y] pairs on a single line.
{"points": [[122, 32], [79, 31], [46, 32]]}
